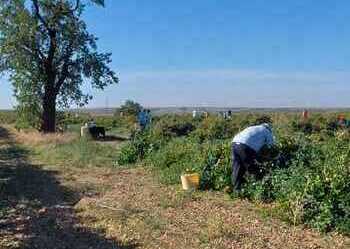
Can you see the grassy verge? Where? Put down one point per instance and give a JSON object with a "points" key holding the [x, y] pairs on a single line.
{"points": [[78, 153], [69, 150]]}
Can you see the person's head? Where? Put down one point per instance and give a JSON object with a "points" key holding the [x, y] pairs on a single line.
{"points": [[263, 120], [148, 111]]}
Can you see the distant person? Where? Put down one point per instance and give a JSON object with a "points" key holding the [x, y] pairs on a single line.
{"points": [[96, 131], [91, 123], [142, 119], [229, 114], [194, 114], [246, 147], [206, 114], [148, 117], [341, 120], [305, 114]]}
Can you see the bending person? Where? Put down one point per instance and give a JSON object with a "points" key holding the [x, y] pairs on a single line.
{"points": [[246, 147]]}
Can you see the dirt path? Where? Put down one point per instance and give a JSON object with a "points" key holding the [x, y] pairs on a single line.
{"points": [[51, 207], [141, 211], [37, 206]]}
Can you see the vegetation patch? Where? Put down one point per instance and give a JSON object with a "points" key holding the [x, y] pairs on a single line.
{"points": [[309, 181]]}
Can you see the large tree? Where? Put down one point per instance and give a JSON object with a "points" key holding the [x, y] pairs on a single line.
{"points": [[48, 54]]}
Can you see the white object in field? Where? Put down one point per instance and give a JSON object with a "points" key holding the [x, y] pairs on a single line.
{"points": [[194, 114], [84, 131]]}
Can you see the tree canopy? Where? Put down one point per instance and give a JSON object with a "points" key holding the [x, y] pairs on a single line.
{"points": [[48, 53], [130, 108]]}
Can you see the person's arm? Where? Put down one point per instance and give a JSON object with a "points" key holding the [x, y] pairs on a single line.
{"points": [[268, 151], [270, 140]]}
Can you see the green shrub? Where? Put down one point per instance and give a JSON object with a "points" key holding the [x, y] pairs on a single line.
{"points": [[173, 126], [128, 154], [213, 128], [129, 108], [172, 159], [217, 166], [313, 188]]}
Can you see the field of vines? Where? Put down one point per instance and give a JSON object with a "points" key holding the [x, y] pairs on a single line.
{"points": [[309, 184]]}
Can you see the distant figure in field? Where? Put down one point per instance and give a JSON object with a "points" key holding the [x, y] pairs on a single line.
{"points": [[305, 114], [341, 120], [91, 123], [206, 114], [149, 117], [95, 131], [229, 114], [246, 147], [194, 114], [142, 119]]}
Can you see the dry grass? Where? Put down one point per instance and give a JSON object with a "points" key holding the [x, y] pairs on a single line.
{"points": [[138, 209], [35, 138]]}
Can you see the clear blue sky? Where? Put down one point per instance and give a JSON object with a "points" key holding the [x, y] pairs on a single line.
{"points": [[254, 53]]}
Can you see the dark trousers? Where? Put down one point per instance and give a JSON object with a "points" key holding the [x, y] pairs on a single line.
{"points": [[97, 131], [244, 159]]}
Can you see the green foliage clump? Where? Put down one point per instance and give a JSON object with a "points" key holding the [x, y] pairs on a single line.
{"points": [[217, 166], [130, 108], [128, 154], [28, 116], [71, 118], [141, 145], [213, 127], [311, 187], [174, 126], [174, 158]]}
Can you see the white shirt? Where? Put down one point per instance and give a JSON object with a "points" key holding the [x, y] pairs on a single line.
{"points": [[255, 137]]}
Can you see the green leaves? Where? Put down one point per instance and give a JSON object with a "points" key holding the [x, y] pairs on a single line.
{"points": [[46, 48], [310, 184]]}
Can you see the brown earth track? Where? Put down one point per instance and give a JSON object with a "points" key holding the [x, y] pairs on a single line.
{"points": [[37, 206]]}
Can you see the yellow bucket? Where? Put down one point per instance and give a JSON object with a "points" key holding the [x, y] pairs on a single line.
{"points": [[190, 181]]}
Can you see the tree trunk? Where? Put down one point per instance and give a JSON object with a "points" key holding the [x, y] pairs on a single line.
{"points": [[48, 124]]}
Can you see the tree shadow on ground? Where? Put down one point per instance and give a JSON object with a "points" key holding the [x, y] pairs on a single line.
{"points": [[36, 211], [113, 138], [116, 138]]}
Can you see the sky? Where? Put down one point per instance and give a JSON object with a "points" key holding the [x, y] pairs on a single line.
{"points": [[256, 53]]}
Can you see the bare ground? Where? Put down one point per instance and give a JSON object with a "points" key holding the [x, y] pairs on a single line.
{"points": [[44, 206]]}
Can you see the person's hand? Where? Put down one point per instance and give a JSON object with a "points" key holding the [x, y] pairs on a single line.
{"points": [[264, 153], [268, 153]]}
